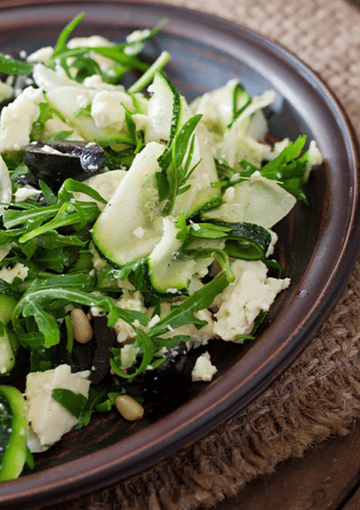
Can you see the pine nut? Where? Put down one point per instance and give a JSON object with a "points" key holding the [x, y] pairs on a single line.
{"points": [[129, 408], [81, 326]]}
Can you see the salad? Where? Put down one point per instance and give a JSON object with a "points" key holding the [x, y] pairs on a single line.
{"points": [[135, 226]]}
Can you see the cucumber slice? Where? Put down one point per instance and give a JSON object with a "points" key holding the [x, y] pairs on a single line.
{"points": [[164, 110], [168, 111], [222, 106], [256, 200], [130, 225], [170, 271], [245, 240], [14, 430], [66, 100], [201, 195]]}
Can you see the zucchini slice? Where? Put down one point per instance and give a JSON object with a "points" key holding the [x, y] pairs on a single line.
{"points": [[255, 200], [14, 430], [246, 240], [130, 225], [170, 270]]}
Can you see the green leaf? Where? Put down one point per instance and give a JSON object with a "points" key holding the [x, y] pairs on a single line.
{"points": [[96, 395], [184, 313], [85, 111], [74, 403], [60, 135], [49, 196], [70, 288], [9, 65], [143, 341], [148, 76], [61, 42], [289, 168], [80, 187]]}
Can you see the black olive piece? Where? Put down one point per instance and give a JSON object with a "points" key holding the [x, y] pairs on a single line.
{"points": [[81, 356], [105, 337], [56, 161], [174, 373]]}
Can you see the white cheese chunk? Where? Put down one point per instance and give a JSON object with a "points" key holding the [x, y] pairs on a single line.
{"points": [[41, 55], [49, 420], [93, 41], [18, 271], [242, 301], [203, 369], [6, 91], [17, 119], [22, 194], [128, 355], [107, 108]]}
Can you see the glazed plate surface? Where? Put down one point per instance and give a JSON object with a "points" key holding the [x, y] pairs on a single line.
{"points": [[317, 247]]}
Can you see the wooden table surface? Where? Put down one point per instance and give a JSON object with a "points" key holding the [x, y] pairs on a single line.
{"points": [[326, 478]]}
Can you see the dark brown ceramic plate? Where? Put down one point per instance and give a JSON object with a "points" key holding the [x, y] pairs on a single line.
{"points": [[317, 248]]}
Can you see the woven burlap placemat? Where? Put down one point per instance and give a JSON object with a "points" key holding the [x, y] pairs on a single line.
{"points": [[320, 394]]}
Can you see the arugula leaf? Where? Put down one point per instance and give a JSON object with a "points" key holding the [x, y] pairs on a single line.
{"points": [[143, 341], [46, 112], [73, 402], [184, 313], [60, 136], [84, 111], [70, 288], [61, 42], [172, 160], [148, 76], [289, 168], [9, 65]]}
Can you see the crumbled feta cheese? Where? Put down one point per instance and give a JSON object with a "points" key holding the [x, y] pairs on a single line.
{"points": [[139, 232], [198, 336], [128, 355], [195, 226], [141, 121], [154, 320], [42, 55], [18, 271], [92, 42], [49, 420], [203, 369], [229, 194], [271, 248], [314, 157], [95, 82], [26, 192], [172, 290], [106, 108], [241, 302], [83, 101], [6, 91], [17, 118], [128, 301], [33, 443], [138, 35]]}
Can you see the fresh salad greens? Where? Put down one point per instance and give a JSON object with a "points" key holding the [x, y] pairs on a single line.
{"points": [[134, 227]]}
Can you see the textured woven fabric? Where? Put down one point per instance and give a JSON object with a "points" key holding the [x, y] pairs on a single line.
{"points": [[320, 394]]}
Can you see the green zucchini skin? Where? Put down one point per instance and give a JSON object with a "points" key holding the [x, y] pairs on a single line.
{"points": [[246, 241], [14, 430]]}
